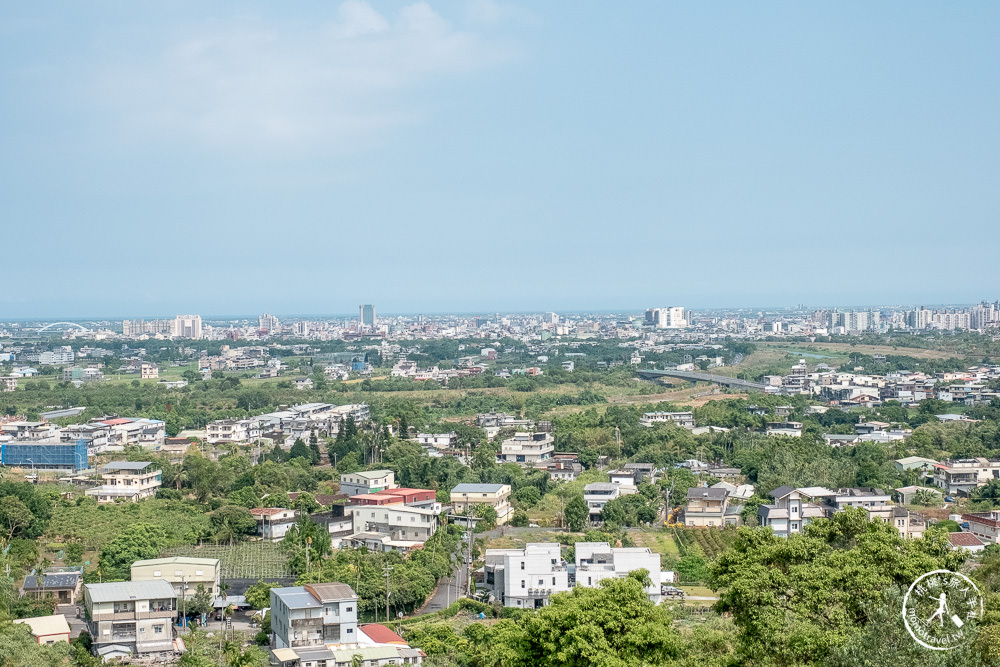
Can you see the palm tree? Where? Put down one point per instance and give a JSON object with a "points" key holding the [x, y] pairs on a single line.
{"points": [[357, 660]]}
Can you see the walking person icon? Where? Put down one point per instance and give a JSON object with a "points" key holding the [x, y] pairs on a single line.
{"points": [[942, 610]]}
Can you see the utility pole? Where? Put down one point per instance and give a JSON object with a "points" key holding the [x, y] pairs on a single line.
{"points": [[309, 541], [387, 570]]}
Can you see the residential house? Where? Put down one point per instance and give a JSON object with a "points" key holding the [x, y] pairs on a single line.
{"points": [[131, 618], [682, 419], [274, 522], [62, 583], [707, 507], [645, 472], [965, 542], [596, 561], [527, 448], [527, 578], [905, 494], [370, 481], [313, 615], [597, 495], [47, 629], [563, 471], [438, 440], [984, 525], [465, 497], [964, 475], [791, 429], [915, 463], [240, 431], [183, 573], [127, 480], [392, 527], [790, 513], [531, 575]]}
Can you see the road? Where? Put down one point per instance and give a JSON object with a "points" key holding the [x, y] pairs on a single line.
{"points": [[448, 591]]}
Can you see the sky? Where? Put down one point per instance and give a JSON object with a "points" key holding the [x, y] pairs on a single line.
{"points": [[305, 157]]}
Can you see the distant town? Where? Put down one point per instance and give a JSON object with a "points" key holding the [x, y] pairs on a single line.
{"points": [[322, 491]]}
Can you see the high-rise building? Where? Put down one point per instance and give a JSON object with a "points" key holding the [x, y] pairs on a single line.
{"points": [[367, 312], [671, 317], [187, 326], [268, 323]]}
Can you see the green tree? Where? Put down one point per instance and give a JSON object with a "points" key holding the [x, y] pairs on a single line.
{"points": [[300, 449], [306, 502], [201, 602], [140, 541], [15, 517], [575, 513], [611, 626], [795, 600], [749, 512], [258, 596], [232, 522], [489, 517], [520, 519]]}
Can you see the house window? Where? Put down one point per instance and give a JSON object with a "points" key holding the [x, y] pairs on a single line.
{"points": [[157, 629], [522, 583], [553, 581], [350, 609], [522, 564]]}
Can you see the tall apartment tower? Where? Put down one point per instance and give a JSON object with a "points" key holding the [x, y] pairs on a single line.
{"points": [[187, 326], [367, 312]]}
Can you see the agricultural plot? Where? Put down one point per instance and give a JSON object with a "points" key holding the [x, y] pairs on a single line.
{"points": [[710, 542], [242, 560]]}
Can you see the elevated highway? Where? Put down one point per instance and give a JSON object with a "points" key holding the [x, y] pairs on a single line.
{"points": [[693, 376]]}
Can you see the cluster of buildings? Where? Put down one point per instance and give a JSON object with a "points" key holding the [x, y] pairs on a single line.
{"points": [[287, 425], [527, 578], [315, 625], [857, 388], [43, 445]]}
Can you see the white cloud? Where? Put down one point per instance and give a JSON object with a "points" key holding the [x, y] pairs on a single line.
{"points": [[247, 82]]}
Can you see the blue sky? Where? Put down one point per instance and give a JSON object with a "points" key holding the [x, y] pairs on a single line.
{"points": [[305, 157]]}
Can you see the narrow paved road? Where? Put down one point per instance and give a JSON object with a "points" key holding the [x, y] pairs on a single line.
{"points": [[448, 591]]}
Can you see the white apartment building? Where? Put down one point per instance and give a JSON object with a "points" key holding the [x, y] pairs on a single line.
{"points": [[527, 578], [527, 448], [58, 357], [273, 523], [8, 383], [187, 326], [127, 480], [131, 618], [393, 527], [596, 561], [964, 475], [240, 431], [438, 440], [313, 615], [682, 419], [597, 495], [370, 481], [531, 575]]}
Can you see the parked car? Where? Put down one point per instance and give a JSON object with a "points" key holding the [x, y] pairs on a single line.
{"points": [[672, 592]]}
